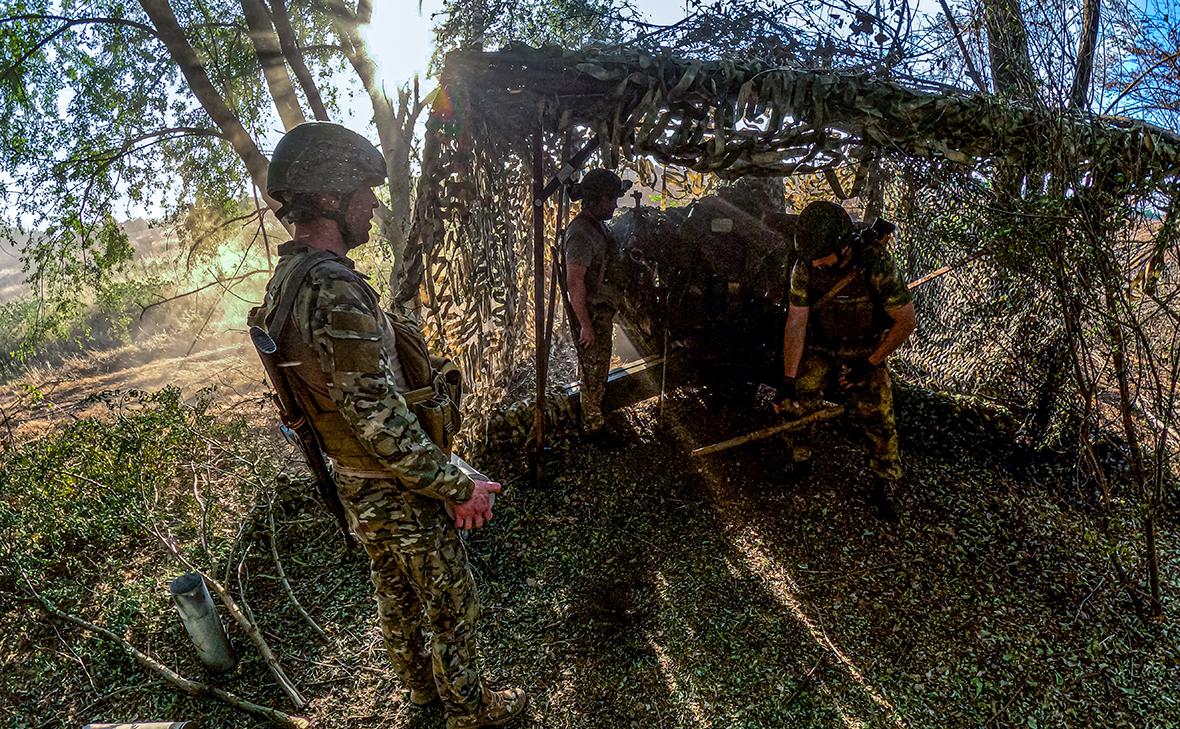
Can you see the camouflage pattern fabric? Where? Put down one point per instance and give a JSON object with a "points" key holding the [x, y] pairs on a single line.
{"points": [[344, 355], [594, 366], [339, 316], [887, 285], [422, 584], [870, 403]]}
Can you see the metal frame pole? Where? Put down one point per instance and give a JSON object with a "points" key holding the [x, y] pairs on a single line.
{"points": [[539, 301]]}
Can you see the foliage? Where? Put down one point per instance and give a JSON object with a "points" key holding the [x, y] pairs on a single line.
{"points": [[79, 502], [96, 116], [494, 23], [77, 519]]}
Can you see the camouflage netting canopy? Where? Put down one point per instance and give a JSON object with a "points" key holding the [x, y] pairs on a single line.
{"points": [[740, 117], [471, 256]]}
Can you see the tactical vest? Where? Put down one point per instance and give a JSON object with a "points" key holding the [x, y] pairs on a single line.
{"points": [[850, 323], [435, 385]]}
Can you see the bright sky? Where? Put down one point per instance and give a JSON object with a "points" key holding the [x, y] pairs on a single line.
{"points": [[401, 38]]}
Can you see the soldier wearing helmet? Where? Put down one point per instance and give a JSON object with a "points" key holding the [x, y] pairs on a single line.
{"points": [[848, 311], [591, 254], [352, 368]]}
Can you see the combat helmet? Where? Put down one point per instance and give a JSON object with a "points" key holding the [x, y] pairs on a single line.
{"points": [[599, 183], [824, 228], [317, 157]]}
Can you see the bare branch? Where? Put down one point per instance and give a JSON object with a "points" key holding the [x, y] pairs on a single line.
{"points": [[971, 70], [219, 281], [274, 553], [248, 625], [1139, 79], [188, 686]]}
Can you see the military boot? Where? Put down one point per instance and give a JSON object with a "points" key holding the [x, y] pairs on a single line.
{"points": [[881, 498], [496, 709], [423, 697]]}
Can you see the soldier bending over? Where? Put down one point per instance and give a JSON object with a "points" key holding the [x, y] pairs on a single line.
{"points": [[849, 305]]}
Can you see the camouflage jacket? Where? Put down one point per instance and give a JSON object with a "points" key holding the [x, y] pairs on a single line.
{"points": [[342, 365], [852, 321]]}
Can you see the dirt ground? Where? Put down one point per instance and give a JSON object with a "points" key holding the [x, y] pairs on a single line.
{"points": [[44, 396]]}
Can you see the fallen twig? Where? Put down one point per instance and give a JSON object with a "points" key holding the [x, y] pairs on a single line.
{"points": [[248, 625], [764, 433], [274, 553], [189, 686]]}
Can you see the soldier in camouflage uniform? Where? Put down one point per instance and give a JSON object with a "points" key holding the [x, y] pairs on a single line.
{"points": [[592, 278], [850, 307], [343, 366]]}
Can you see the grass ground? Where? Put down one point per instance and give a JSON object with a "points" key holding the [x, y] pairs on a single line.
{"points": [[645, 588]]}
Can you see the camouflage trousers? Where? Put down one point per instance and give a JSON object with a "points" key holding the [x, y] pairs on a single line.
{"points": [[870, 403], [422, 583], [594, 366]]}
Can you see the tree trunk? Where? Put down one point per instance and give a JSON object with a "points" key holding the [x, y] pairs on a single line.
{"points": [[1079, 96], [1007, 44], [294, 55], [162, 17], [395, 128], [270, 55]]}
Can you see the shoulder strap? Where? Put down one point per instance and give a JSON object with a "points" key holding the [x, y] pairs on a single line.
{"points": [[836, 289], [608, 251], [288, 291]]}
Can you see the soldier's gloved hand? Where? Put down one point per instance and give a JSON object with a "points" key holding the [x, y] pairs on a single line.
{"points": [[473, 513], [858, 371]]}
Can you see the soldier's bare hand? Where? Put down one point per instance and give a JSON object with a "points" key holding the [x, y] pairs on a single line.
{"points": [[476, 511], [586, 336]]}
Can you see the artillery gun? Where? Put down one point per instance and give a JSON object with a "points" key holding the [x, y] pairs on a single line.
{"points": [[711, 278]]}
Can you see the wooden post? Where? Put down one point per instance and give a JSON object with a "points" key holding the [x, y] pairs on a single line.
{"points": [[539, 302], [199, 615], [764, 433]]}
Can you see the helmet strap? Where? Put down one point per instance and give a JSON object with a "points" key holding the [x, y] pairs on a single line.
{"points": [[340, 217]]}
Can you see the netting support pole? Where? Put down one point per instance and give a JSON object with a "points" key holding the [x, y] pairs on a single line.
{"points": [[538, 449]]}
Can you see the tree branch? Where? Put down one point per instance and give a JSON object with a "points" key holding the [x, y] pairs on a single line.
{"points": [[191, 66], [1139, 79], [67, 23], [251, 627], [188, 686], [1079, 95], [971, 70], [218, 282], [268, 49], [294, 55]]}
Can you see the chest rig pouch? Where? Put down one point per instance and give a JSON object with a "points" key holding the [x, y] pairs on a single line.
{"points": [[437, 384]]}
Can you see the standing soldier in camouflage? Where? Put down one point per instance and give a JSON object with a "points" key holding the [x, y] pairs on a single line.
{"points": [[591, 254], [850, 307], [349, 364]]}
